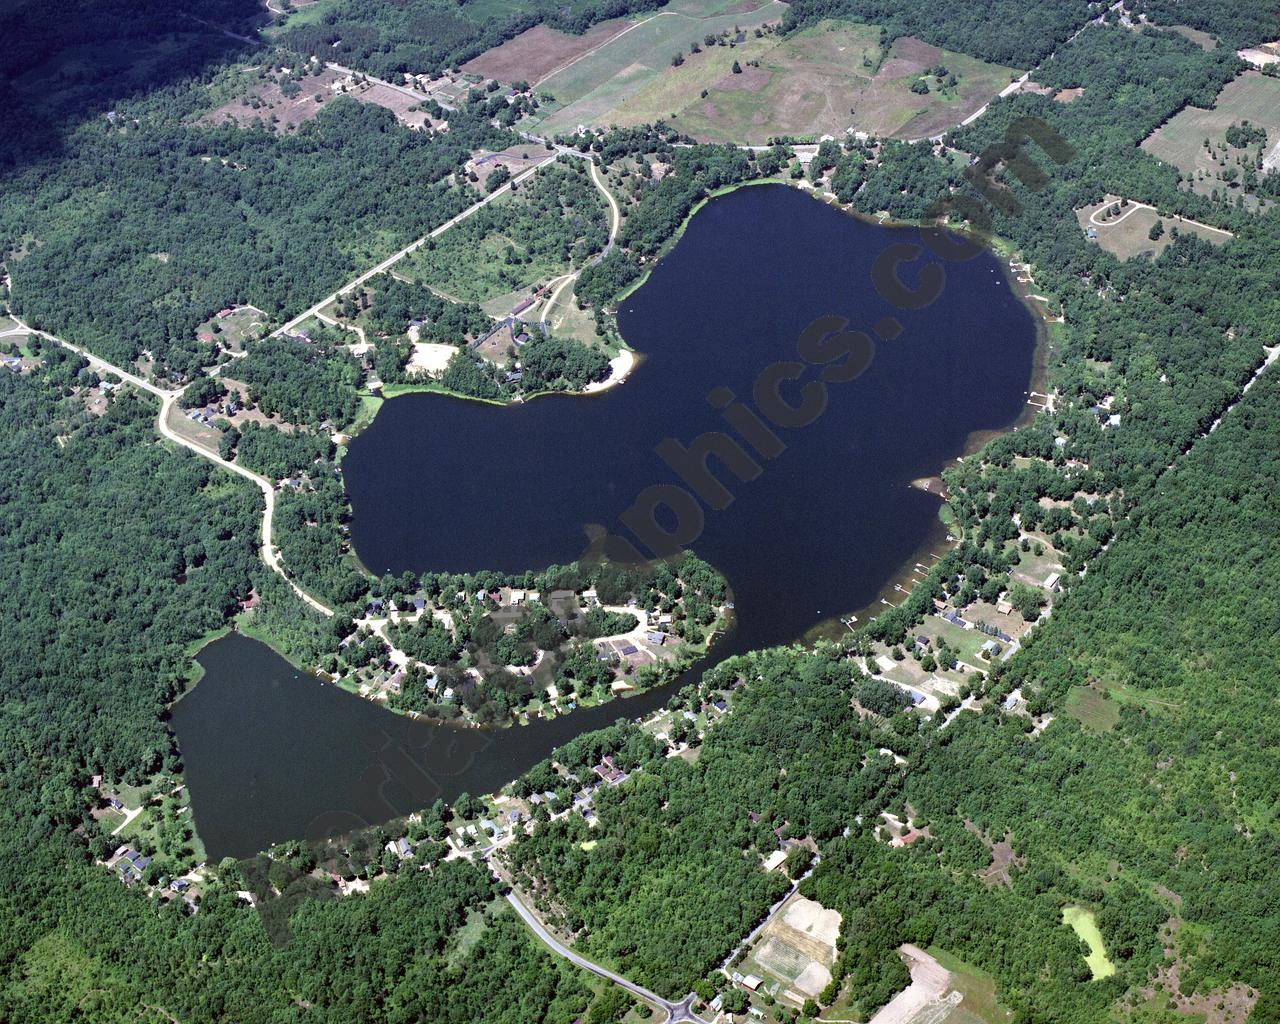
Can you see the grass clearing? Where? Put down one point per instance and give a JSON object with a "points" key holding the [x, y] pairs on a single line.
{"points": [[241, 324], [539, 52], [464, 940], [1086, 926], [1202, 39], [1129, 234], [979, 1002], [1091, 708], [588, 90], [1252, 97]]}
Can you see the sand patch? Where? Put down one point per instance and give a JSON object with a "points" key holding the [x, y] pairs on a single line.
{"points": [[430, 358]]}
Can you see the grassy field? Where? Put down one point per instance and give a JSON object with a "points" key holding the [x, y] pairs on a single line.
{"points": [[1252, 97], [1130, 236], [1086, 926], [539, 52], [1202, 39], [588, 90], [822, 80], [1091, 709], [980, 1003], [244, 323]]}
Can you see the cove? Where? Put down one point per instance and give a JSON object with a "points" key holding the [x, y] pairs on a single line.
{"points": [[271, 753], [446, 484]]}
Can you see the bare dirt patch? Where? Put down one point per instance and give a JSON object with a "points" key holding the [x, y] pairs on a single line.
{"points": [[910, 57], [750, 80], [799, 946], [538, 52], [1068, 95], [397, 102], [515, 160], [1003, 858], [267, 102]]}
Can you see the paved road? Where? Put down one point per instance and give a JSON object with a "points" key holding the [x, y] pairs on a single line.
{"points": [[676, 1012], [167, 400]]}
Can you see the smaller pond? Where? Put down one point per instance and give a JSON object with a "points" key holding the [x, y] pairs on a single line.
{"points": [[1086, 926], [272, 753]]}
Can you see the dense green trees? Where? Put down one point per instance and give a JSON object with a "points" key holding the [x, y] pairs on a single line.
{"points": [[144, 233], [398, 303], [303, 382]]}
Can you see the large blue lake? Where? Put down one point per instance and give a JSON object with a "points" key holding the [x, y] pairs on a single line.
{"points": [[439, 483]]}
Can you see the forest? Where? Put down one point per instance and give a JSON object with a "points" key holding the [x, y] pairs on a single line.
{"points": [[303, 382], [141, 234], [122, 554]]}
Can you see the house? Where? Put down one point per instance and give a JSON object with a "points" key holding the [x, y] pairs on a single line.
{"points": [[628, 650], [115, 803], [590, 597], [921, 641], [400, 847], [749, 981], [517, 598], [664, 620], [991, 649], [656, 638], [1052, 581], [720, 705], [1004, 607], [179, 885], [775, 860]]}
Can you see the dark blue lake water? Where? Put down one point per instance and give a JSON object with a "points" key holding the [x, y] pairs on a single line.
{"points": [[439, 483]]}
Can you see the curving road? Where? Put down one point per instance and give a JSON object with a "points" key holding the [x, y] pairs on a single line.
{"points": [[167, 400], [615, 220], [676, 1012]]}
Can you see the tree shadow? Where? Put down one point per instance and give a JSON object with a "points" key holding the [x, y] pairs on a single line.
{"points": [[73, 61]]}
